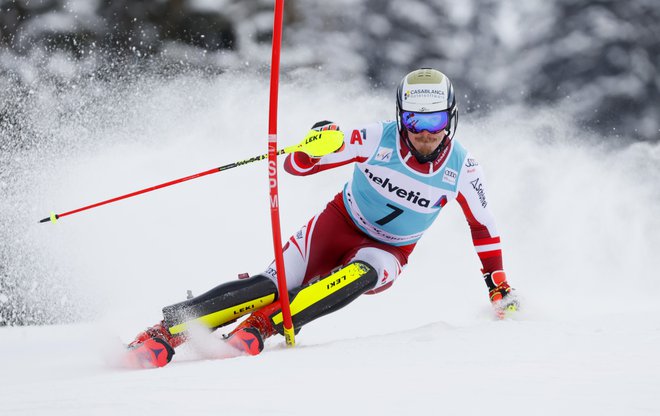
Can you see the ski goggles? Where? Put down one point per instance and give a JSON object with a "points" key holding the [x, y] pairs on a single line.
{"points": [[431, 122]]}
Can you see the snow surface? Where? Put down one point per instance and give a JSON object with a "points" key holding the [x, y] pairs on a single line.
{"points": [[579, 224]]}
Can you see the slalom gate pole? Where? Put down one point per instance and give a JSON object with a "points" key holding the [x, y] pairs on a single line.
{"points": [[289, 333]]}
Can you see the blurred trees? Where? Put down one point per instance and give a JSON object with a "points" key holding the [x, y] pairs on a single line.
{"points": [[600, 56], [605, 55]]}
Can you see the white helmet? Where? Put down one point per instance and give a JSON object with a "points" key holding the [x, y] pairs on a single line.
{"points": [[426, 92]]}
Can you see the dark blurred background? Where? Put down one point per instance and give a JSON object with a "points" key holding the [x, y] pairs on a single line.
{"points": [[602, 56], [596, 59]]}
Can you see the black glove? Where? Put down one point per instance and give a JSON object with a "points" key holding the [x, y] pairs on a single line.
{"points": [[325, 125]]}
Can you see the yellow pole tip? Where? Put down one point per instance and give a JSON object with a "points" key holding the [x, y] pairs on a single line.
{"points": [[53, 217], [289, 335]]}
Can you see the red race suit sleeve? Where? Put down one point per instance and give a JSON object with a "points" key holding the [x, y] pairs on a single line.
{"points": [[359, 144]]}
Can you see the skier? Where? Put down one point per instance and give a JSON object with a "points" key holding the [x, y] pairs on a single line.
{"points": [[405, 173]]}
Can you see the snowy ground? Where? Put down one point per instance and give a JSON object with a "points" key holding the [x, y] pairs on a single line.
{"points": [[579, 224]]}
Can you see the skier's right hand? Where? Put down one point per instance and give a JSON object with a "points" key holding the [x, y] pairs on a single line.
{"points": [[502, 296], [324, 138]]}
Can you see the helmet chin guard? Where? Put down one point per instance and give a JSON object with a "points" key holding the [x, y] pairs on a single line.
{"points": [[426, 90]]}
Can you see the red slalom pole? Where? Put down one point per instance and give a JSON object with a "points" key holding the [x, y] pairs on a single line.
{"points": [[289, 333]]}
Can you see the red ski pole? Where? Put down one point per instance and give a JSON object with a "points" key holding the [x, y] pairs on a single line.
{"points": [[54, 217], [314, 143]]}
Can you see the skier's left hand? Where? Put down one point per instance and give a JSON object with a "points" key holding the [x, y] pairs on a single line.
{"points": [[502, 296], [324, 138]]}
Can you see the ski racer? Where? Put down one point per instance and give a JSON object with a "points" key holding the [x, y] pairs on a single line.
{"points": [[405, 172]]}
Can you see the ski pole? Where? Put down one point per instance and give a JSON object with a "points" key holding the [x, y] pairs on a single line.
{"points": [[313, 143]]}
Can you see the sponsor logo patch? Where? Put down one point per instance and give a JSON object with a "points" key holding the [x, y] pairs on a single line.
{"points": [[410, 196], [384, 154], [478, 187], [441, 202], [471, 162], [271, 272], [425, 92], [450, 176]]}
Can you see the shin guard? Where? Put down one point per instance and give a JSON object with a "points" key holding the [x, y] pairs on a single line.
{"points": [[221, 305], [325, 295]]}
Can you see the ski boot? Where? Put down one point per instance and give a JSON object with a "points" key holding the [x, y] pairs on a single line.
{"points": [[250, 334], [153, 347]]}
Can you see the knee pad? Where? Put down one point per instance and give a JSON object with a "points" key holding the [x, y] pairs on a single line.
{"points": [[222, 304], [386, 264]]}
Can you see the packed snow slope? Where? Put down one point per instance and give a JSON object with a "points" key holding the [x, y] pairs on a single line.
{"points": [[579, 222]]}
